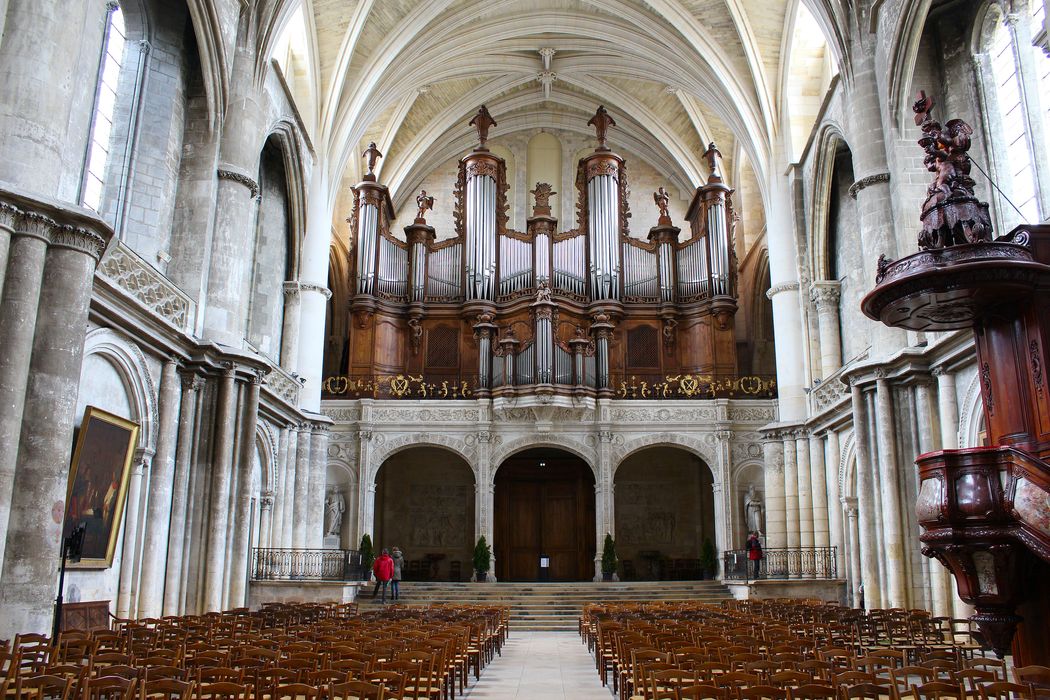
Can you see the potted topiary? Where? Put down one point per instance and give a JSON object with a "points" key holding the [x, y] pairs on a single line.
{"points": [[608, 558], [368, 557], [708, 559], [482, 559]]}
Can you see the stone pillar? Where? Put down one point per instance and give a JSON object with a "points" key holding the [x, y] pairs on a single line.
{"points": [[18, 311], [291, 458], [219, 504], [132, 515], [773, 487], [867, 544], [721, 486], [792, 536], [604, 490], [889, 478], [854, 553], [158, 508], [275, 533], [947, 408], [290, 332], [819, 487], [242, 504], [805, 489], [301, 493], [837, 536], [366, 508], [314, 297], [825, 295], [38, 497], [173, 579], [787, 325], [265, 519], [318, 482]]}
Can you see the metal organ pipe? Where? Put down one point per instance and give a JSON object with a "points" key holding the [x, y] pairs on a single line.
{"points": [[603, 202], [666, 253], [481, 235], [367, 232], [718, 236]]}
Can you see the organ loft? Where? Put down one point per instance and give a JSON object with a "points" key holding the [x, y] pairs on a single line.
{"points": [[551, 311]]}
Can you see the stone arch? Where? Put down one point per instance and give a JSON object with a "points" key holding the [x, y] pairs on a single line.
{"points": [[830, 141], [266, 437], [131, 365], [971, 414], [692, 445], [549, 440], [289, 139], [389, 448], [847, 467]]}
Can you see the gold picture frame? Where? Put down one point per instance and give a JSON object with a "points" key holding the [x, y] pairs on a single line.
{"points": [[98, 484]]}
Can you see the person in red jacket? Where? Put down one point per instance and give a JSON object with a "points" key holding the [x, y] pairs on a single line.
{"points": [[384, 571]]}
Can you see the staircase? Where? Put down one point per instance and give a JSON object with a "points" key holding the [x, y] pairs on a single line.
{"points": [[549, 606]]}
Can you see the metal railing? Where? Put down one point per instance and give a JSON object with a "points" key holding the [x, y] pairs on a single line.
{"points": [[307, 565], [781, 563]]}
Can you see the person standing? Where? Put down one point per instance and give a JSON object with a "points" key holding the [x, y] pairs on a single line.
{"points": [[754, 554], [395, 582], [384, 571]]}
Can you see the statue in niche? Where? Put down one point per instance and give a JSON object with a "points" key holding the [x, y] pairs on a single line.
{"points": [[335, 506], [425, 203], [754, 511]]}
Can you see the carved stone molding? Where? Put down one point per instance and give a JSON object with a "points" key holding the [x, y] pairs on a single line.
{"points": [[866, 182], [320, 288], [782, 287], [826, 294], [144, 284], [240, 178]]}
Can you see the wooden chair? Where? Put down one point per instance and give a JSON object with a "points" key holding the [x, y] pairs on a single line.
{"points": [[220, 674], [166, 689], [938, 690], [392, 683], [812, 691], [1036, 677], [1004, 690], [292, 691], [901, 679], [703, 692], [996, 666], [156, 673], [972, 678], [222, 691], [817, 670], [865, 691], [762, 692], [43, 688], [789, 679], [132, 673], [357, 690], [107, 688]]}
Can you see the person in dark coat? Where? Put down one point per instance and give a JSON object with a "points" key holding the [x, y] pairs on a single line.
{"points": [[384, 571], [754, 554], [395, 581]]}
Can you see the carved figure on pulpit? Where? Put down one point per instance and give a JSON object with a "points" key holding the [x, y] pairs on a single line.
{"points": [[335, 506], [754, 511]]}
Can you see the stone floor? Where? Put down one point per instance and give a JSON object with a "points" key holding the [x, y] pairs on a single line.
{"points": [[541, 666]]}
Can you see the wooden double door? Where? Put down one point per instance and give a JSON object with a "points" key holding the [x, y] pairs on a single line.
{"points": [[544, 503]]}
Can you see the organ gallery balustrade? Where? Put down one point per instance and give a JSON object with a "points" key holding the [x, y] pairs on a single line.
{"points": [[588, 309]]}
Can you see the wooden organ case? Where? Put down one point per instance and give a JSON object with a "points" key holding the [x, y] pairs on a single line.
{"points": [[587, 311]]}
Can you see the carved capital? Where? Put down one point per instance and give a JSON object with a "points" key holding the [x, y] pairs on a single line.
{"points": [[291, 289], [939, 371], [192, 382], [318, 288], [826, 294], [241, 179], [266, 500], [782, 287]]}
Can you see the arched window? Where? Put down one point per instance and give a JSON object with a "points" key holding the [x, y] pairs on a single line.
{"points": [[100, 143], [1016, 87]]}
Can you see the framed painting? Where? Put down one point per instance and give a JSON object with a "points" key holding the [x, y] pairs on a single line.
{"points": [[98, 484]]}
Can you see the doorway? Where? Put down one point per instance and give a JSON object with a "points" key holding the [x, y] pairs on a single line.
{"points": [[544, 503]]}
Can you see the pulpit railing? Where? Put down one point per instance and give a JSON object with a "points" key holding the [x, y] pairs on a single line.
{"points": [[781, 563], [306, 565]]}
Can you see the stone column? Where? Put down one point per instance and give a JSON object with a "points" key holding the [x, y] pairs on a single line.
{"points": [[242, 515], [819, 488], [301, 497], [805, 489], [604, 491], [773, 487], [792, 535], [947, 408], [787, 325], [275, 533], [158, 508], [219, 505], [291, 457], [191, 385], [366, 508], [721, 488], [318, 482], [265, 519], [837, 537], [312, 313], [825, 295], [889, 478], [18, 311], [854, 553], [34, 529], [132, 515], [290, 332], [867, 545], [1021, 30]]}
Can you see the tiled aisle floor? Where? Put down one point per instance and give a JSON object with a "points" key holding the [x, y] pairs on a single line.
{"points": [[541, 666]]}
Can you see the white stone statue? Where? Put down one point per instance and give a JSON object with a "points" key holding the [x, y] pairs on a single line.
{"points": [[335, 505], [754, 511]]}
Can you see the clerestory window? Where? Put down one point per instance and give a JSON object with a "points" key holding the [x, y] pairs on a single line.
{"points": [[100, 142]]}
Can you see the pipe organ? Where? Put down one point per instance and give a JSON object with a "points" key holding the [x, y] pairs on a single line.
{"points": [[542, 310]]}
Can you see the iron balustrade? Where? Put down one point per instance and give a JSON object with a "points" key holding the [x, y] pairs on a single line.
{"points": [[781, 563], [307, 565]]}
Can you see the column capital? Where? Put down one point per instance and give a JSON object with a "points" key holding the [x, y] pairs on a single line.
{"points": [[940, 371], [781, 288], [319, 288], [192, 381], [826, 294]]}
